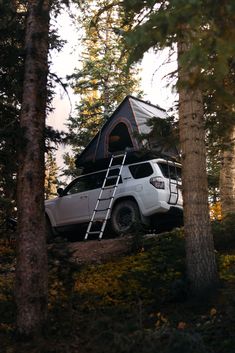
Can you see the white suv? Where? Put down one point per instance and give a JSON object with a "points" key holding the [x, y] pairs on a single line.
{"points": [[148, 192]]}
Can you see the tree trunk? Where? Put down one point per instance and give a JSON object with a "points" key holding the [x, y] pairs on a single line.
{"points": [[31, 272], [227, 176], [200, 256]]}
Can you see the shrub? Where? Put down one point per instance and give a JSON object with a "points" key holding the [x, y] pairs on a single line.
{"points": [[224, 232], [148, 276]]}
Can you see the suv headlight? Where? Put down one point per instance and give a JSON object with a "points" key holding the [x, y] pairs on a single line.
{"points": [[157, 182]]}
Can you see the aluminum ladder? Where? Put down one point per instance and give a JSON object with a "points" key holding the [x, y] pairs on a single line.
{"points": [[114, 179], [173, 183]]}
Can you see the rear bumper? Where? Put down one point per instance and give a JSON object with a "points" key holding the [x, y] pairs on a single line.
{"points": [[170, 219], [162, 207]]}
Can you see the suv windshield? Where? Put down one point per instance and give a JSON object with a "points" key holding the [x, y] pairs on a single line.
{"points": [[170, 171]]}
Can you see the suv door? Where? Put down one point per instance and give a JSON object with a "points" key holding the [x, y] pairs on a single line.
{"points": [[97, 180], [73, 207]]}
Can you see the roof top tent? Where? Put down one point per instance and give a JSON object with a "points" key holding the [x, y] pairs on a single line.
{"points": [[120, 133]]}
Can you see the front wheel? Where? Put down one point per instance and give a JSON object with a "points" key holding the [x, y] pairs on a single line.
{"points": [[125, 217]]}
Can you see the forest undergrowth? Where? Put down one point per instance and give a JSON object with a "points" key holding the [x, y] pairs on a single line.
{"points": [[139, 302]]}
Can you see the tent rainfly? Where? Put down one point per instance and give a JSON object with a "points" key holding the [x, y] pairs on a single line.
{"points": [[121, 131]]}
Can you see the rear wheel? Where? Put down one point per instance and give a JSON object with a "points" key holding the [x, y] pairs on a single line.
{"points": [[125, 217]]}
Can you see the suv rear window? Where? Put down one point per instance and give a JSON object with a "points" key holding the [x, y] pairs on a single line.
{"points": [[141, 170], [170, 171]]}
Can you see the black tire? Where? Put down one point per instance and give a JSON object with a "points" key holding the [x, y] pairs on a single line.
{"points": [[125, 217]]}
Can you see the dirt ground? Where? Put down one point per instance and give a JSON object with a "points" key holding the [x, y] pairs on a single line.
{"points": [[95, 251]]}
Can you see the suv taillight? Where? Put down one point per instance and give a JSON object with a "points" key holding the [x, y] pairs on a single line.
{"points": [[157, 182]]}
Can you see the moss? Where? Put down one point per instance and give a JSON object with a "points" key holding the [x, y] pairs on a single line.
{"points": [[133, 304], [147, 275]]}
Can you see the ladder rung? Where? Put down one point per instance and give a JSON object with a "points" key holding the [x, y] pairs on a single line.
{"points": [[118, 155], [112, 177], [106, 198], [94, 232], [98, 221], [102, 209], [109, 186]]}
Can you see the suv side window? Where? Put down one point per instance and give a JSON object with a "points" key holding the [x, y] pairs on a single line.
{"points": [[141, 170], [85, 183], [78, 185], [96, 180], [113, 173], [90, 182], [170, 171]]}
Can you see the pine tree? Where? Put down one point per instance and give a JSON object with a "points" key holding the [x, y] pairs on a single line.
{"points": [[51, 173], [31, 272], [200, 257], [12, 35], [163, 23], [104, 78], [219, 104], [11, 71], [227, 175]]}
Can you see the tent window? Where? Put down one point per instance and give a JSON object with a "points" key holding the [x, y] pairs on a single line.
{"points": [[119, 138]]}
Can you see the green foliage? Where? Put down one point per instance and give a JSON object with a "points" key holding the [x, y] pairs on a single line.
{"points": [[111, 336], [12, 32], [128, 305], [163, 136], [224, 232], [7, 306], [147, 276], [209, 28], [227, 267], [51, 174], [11, 73], [167, 341], [102, 79]]}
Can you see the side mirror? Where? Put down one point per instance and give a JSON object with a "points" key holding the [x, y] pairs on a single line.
{"points": [[60, 191]]}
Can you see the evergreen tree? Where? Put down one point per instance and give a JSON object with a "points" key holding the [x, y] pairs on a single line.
{"points": [[23, 131], [12, 32], [219, 104], [11, 72], [200, 258], [164, 23], [227, 175], [104, 78], [31, 272], [51, 173]]}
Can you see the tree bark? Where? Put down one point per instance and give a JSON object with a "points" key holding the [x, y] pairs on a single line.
{"points": [[227, 176], [200, 256], [31, 272]]}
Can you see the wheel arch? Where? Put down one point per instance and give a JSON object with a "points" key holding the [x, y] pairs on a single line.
{"points": [[49, 216], [124, 198], [49, 219], [145, 220]]}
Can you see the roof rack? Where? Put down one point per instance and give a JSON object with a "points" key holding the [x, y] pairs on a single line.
{"points": [[131, 157]]}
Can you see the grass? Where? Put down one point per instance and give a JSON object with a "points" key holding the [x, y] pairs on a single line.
{"points": [[137, 303]]}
